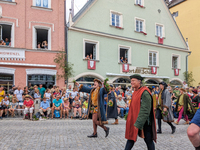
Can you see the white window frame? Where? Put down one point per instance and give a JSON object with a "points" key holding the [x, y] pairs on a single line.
{"points": [[120, 18], [49, 4], [179, 61], [34, 36], [163, 30], [91, 42], [143, 26], [12, 31], [142, 2], [129, 52], [157, 58]]}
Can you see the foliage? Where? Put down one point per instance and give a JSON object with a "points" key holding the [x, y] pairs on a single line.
{"points": [[166, 81], [66, 67], [188, 77], [106, 85], [125, 117]]}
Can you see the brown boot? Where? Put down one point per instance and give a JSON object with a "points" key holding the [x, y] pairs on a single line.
{"points": [[187, 122], [176, 122], [116, 122]]}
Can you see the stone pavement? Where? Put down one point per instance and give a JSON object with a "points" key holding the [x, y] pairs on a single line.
{"points": [[56, 134]]}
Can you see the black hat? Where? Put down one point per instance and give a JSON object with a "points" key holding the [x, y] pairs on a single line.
{"points": [[137, 76], [163, 83]]}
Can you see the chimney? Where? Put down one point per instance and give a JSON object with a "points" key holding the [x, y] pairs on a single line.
{"points": [[72, 8]]}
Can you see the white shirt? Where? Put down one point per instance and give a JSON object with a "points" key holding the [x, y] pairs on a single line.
{"points": [[19, 94], [6, 102], [48, 95], [73, 94]]}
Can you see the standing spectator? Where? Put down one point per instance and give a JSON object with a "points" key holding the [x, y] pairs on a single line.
{"points": [[85, 106], [18, 94], [157, 90], [42, 90], [176, 92], [11, 92], [190, 93], [128, 92], [27, 92], [48, 95], [168, 86], [37, 94], [57, 105], [121, 106], [66, 107], [7, 42], [185, 86], [68, 91], [45, 108], [87, 57], [117, 91], [122, 59], [77, 106], [4, 107], [153, 90], [2, 93], [13, 106], [28, 106], [53, 89], [57, 92], [91, 56], [32, 93]]}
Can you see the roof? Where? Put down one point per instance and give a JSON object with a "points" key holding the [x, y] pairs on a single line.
{"points": [[175, 2], [83, 9]]}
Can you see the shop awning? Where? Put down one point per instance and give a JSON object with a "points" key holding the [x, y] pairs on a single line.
{"points": [[146, 76]]}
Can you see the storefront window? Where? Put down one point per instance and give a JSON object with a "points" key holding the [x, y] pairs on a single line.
{"points": [[151, 82], [7, 81], [123, 82], [46, 80]]}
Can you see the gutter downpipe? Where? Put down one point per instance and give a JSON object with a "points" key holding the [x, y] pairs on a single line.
{"points": [[189, 53], [66, 39]]}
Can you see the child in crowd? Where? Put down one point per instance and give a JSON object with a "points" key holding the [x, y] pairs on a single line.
{"points": [[13, 106], [66, 107], [48, 95], [37, 94]]}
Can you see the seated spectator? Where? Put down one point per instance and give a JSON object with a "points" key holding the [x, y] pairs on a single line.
{"points": [[85, 106], [72, 95], [4, 107], [13, 106], [57, 92], [45, 108], [37, 94], [57, 105], [28, 106], [77, 106], [121, 106], [66, 107], [87, 57], [128, 101], [122, 60], [117, 91]]}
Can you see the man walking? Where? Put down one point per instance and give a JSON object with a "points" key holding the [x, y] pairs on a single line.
{"points": [[96, 106], [141, 118]]}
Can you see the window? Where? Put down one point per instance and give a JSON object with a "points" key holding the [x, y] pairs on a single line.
{"points": [[139, 2], [140, 25], [153, 58], [42, 38], [116, 19], [42, 3], [5, 34], [160, 30], [91, 50], [124, 54], [175, 62]]}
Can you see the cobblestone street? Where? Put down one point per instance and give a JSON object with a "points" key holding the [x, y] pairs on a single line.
{"points": [[16, 134]]}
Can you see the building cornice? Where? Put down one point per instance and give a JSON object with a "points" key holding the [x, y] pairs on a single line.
{"points": [[126, 39], [28, 65]]}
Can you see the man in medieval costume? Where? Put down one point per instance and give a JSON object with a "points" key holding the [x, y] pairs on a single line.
{"points": [[164, 108], [184, 106], [96, 106], [141, 117], [112, 106]]}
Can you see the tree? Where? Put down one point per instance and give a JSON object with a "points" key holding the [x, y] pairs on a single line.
{"points": [[188, 77], [66, 67]]}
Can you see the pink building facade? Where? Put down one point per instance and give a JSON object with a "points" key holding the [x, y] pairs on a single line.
{"points": [[33, 31]]}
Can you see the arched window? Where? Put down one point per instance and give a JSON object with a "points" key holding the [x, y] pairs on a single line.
{"points": [[151, 82], [123, 82], [176, 83]]}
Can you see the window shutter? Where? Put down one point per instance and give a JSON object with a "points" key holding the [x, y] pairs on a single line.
{"points": [[0, 32], [94, 52]]}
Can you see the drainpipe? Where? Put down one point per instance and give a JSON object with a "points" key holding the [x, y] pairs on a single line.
{"points": [[189, 53], [66, 39]]}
